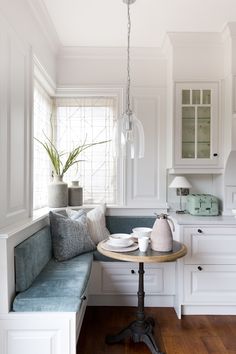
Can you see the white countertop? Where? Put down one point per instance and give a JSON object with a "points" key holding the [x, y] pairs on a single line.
{"points": [[187, 219]]}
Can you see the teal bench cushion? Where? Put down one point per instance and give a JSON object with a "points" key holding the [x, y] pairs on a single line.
{"points": [[59, 287], [31, 256]]}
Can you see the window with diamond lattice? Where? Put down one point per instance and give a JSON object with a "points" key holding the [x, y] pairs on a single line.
{"points": [[89, 119]]}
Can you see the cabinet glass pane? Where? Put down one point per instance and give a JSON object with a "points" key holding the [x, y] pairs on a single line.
{"points": [[185, 96], [196, 97], [206, 96], [203, 150], [188, 150], [188, 130], [204, 112], [188, 112], [203, 130]]}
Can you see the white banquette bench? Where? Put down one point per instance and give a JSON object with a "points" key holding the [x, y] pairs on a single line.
{"points": [[43, 301]]}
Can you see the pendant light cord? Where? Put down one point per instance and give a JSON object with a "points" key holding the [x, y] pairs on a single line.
{"points": [[128, 109]]}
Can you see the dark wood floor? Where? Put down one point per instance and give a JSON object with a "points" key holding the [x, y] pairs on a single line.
{"points": [[191, 335]]}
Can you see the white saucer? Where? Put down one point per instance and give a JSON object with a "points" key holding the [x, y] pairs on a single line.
{"points": [[106, 246], [126, 243]]}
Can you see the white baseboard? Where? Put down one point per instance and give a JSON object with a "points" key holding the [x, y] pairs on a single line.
{"points": [[208, 310]]}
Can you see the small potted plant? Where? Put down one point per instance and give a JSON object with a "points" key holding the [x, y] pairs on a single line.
{"points": [[61, 162]]}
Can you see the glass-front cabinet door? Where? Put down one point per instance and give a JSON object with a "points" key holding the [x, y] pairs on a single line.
{"points": [[196, 128]]}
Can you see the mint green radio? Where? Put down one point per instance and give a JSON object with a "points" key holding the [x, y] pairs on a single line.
{"points": [[202, 204]]}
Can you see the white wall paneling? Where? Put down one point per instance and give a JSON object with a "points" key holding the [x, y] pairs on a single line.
{"points": [[38, 333], [146, 177], [32, 24], [15, 147]]}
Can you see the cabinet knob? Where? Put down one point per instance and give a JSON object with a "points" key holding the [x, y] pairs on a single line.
{"points": [[215, 154], [199, 231], [199, 268], [132, 271], [84, 297]]}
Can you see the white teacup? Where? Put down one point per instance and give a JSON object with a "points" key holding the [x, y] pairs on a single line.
{"points": [[142, 232], [143, 243]]}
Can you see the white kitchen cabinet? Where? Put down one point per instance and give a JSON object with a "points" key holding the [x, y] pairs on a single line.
{"points": [[116, 283], [210, 245], [209, 268], [196, 127], [210, 284]]}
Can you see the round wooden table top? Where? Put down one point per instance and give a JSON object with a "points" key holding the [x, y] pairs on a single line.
{"points": [[150, 256]]}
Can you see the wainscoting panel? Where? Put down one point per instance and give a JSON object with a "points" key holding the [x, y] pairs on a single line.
{"points": [[15, 111], [146, 181]]}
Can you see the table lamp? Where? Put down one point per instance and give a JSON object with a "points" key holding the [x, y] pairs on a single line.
{"points": [[182, 186]]}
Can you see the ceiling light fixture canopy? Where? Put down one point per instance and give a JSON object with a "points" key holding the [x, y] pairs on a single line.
{"points": [[129, 131]]}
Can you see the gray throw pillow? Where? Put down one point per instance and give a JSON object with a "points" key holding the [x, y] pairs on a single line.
{"points": [[69, 237]]}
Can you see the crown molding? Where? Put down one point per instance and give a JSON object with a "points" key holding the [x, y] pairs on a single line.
{"points": [[179, 39], [115, 53], [40, 13], [43, 77]]}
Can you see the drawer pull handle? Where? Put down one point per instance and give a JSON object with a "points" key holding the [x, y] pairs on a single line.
{"points": [[133, 271], [199, 268], [199, 231], [215, 154]]}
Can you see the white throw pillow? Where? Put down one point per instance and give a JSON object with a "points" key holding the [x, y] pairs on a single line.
{"points": [[97, 224]]}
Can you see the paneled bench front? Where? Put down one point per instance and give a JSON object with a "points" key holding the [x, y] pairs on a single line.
{"points": [[51, 297]]}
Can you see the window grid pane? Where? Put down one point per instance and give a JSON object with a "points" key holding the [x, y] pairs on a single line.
{"points": [[42, 169], [90, 119]]}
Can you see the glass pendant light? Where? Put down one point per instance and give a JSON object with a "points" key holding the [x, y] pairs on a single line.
{"points": [[129, 134]]}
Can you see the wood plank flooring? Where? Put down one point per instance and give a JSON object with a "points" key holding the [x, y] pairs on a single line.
{"points": [[191, 335]]}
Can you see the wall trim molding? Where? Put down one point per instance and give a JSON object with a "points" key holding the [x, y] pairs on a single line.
{"points": [[111, 53], [41, 75], [40, 13]]}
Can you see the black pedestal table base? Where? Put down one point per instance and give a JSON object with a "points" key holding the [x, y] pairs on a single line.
{"points": [[140, 330]]}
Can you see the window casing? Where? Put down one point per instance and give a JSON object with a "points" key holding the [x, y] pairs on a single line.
{"points": [[41, 163]]}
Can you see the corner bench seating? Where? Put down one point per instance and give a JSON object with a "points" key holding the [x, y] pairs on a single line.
{"points": [[45, 284], [51, 297]]}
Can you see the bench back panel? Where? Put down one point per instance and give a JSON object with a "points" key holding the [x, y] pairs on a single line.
{"points": [[31, 256], [125, 224]]}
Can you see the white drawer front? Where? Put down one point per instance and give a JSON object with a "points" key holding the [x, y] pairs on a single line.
{"points": [[210, 285], [122, 278], [210, 245], [125, 282]]}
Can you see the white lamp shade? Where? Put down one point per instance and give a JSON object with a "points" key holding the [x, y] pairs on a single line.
{"points": [[180, 182]]}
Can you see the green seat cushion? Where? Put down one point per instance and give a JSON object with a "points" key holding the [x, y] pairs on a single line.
{"points": [[59, 287]]}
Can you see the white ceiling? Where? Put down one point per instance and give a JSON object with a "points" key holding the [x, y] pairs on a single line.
{"points": [[104, 22]]}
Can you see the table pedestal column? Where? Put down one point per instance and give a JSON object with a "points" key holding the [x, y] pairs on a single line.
{"points": [[140, 330]]}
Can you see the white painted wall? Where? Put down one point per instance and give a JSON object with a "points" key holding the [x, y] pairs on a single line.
{"points": [[145, 179], [24, 20], [21, 37], [185, 57], [191, 56], [107, 66]]}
